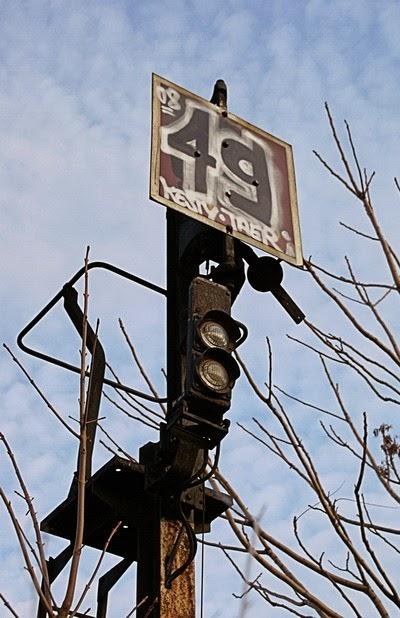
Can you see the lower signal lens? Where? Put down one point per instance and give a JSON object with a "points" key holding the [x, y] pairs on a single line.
{"points": [[214, 374]]}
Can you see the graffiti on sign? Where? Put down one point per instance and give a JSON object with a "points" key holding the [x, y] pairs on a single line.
{"points": [[219, 169]]}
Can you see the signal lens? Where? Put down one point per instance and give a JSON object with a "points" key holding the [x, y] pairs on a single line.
{"points": [[214, 374], [214, 335]]}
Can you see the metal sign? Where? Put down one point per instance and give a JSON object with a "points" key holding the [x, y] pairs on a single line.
{"points": [[219, 169]]}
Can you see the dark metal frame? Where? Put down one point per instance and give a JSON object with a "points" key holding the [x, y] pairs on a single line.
{"points": [[97, 370], [61, 294], [106, 581]]}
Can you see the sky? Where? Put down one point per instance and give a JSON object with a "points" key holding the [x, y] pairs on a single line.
{"points": [[75, 114]]}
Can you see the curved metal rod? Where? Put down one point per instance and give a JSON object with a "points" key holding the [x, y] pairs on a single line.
{"points": [[244, 335], [54, 301]]}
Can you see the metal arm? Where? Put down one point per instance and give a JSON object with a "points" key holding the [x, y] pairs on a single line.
{"points": [[98, 368], [54, 301]]}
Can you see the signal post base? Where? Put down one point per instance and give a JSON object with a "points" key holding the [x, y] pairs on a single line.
{"points": [[179, 600], [155, 542]]}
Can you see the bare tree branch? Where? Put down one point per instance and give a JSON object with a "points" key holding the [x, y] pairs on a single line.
{"points": [[140, 366], [8, 606]]}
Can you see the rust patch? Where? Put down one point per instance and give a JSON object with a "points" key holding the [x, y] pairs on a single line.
{"points": [[179, 600]]}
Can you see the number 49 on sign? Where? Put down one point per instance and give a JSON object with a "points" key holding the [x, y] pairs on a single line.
{"points": [[217, 168]]}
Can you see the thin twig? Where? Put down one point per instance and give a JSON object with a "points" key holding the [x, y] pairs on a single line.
{"points": [[140, 366], [97, 567], [82, 458], [40, 392], [38, 536], [118, 447], [8, 606]]}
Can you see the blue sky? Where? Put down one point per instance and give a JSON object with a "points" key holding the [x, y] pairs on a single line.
{"points": [[75, 84]]}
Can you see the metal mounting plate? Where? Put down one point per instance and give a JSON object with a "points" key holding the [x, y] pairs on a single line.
{"points": [[116, 493]]}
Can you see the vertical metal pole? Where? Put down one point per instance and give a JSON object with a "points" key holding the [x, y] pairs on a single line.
{"points": [[175, 307], [148, 588], [180, 232], [157, 535], [179, 600], [154, 547]]}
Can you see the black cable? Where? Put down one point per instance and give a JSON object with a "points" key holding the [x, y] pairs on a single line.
{"points": [[192, 540], [209, 474], [199, 471], [170, 558], [202, 554]]}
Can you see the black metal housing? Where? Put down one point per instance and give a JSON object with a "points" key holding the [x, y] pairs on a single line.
{"points": [[209, 300]]}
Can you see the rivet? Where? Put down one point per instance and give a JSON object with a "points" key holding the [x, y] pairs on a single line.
{"points": [[197, 153], [255, 183]]}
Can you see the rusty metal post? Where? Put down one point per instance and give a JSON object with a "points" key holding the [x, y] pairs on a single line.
{"points": [[178, 601], [157, 534], [153, 598], [163, 543]]}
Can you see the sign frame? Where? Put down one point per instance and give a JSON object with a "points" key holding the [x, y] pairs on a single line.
{"points": [[296, 256]]}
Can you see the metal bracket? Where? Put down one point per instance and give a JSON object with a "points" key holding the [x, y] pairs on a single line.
{"points": [[98, 368], [61, 294], [197, 429], [106, 582]]}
